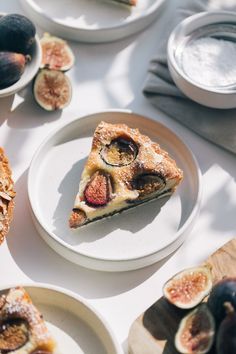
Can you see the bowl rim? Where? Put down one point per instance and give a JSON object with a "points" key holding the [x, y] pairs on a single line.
{"points": [[21, 83], [227, 16]]}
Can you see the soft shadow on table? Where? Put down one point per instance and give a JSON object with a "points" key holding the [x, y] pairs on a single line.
{"points": [[21, 117], [41, 264], [21, 121], [131, 220]]}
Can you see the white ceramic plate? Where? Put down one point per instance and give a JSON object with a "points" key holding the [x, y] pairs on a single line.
{"points": [[131, 240], [75, 325], [92, 20]]}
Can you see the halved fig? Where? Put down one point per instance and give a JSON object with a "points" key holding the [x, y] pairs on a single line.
{"points": [[56, 54], [98, 191], [120, 152], [13, 335], [189, 287], [147, 183], [77, 218], [52, 90], [196, 332]]}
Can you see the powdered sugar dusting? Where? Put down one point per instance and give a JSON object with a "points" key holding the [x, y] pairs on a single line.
{"points": [[18, 304], [210, 61]]}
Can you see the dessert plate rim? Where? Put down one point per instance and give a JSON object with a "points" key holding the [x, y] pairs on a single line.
{"points": [[105, 263]]}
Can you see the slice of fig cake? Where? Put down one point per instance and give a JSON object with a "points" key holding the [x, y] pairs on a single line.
{"points": [[124, 169]]}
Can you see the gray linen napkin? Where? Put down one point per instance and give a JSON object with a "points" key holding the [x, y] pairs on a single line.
{"points": [[218, 126]]}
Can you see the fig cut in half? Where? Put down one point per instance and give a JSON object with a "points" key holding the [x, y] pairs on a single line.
{"points": [[196, 332], [52, 90], [189, 287], [56, 54], [13, 335], [98, 190], [120, 152]]}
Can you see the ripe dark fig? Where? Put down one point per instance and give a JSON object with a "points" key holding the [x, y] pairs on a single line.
{"points": [[196, 332], [57, 55], [226, 336], [189, 287], [13, 335], [17, 33], [52, 90], [120, 152], [223, 291], [12, 66]]}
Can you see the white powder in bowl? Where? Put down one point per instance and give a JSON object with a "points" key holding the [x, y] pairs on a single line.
{"points": [[210, 61]]}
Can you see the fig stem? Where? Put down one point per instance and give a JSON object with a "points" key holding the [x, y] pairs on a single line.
{"points": [[228, 308]]}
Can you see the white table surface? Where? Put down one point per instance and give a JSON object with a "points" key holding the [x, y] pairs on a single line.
{"points": [[108, 76]]}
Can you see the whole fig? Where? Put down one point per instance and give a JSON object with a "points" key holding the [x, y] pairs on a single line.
{"points": [[11, 68], [17, 33], [223, 291], [226, 336]]}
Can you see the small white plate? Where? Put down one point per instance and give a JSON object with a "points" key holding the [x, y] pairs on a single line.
{"points": [[131, 240], [75, 324], [92, 20]]}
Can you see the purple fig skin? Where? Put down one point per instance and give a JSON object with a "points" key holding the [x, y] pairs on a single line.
{"points": [[223, 291], [12, 66], [17, 33], [226, 336]]}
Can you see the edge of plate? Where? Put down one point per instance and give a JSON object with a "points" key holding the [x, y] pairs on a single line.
{"points": [[78, 298], [88, 261], [99, 35]]}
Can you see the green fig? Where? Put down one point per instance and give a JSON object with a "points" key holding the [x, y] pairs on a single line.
{"points": [[17, 33], [12, 66]]}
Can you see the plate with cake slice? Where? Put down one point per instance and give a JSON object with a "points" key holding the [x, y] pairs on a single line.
{"points": [[93, 20], [114, 191], [43, 319]]}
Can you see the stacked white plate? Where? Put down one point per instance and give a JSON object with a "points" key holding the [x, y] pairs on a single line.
{"points": [[131, 240]]}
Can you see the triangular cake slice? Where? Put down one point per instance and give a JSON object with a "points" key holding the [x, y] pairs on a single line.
{"points": [[124, 169], [22, 328]]}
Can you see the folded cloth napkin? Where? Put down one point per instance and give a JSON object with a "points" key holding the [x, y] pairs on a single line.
{"points": [[218, 126]]}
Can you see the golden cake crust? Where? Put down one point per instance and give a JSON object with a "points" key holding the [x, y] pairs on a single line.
{"points": [[7, 195]]}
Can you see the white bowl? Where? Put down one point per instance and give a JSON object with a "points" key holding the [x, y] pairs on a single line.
{"points": [[215, 97], [31, 70]]}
